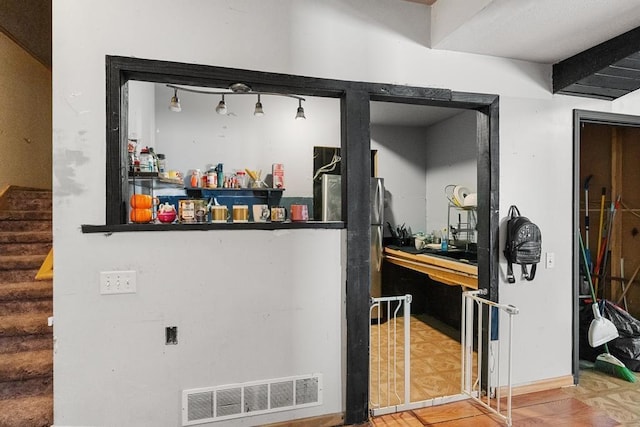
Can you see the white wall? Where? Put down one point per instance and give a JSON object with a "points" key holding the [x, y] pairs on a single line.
{"points": [[142, 117], [198, 137], [451, 159], [25, 120], [401, 162], [109, 349]]}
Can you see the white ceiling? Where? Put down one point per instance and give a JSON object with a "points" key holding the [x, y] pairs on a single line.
{"points": [[394, 114], [543, 31]]}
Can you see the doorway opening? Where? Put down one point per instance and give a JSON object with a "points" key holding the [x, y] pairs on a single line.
{"points": [[422, 151], [605, 180]]}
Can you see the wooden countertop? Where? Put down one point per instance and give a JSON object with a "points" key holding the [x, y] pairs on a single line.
{"points": [[448, 271]]}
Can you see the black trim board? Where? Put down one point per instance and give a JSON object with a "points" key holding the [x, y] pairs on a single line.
{"points": [[355, 144]]}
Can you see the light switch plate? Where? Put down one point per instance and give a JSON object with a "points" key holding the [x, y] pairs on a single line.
{"points": [[117, 282], [550, 260]]}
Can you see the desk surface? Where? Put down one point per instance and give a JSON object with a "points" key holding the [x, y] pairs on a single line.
{"points": [[447, 271]]}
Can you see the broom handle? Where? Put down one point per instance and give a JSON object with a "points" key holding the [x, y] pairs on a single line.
{"points": [[586, 268], [602, 247], [604, 192], [603, 273]]}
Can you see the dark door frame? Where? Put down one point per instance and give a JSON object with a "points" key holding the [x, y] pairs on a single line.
{"points": [[580, 117], [355, 98]]}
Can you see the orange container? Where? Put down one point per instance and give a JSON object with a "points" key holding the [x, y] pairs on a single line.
{"points": [[142, 201], [141, 215]]}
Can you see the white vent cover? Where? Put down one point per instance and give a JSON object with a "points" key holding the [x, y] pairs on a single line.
{"points": [[204, 405]]}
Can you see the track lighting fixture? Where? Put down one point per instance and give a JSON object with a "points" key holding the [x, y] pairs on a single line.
{"points": [[222, 107], [174, 104], [235, 89], [300, 113], [258, 111]]}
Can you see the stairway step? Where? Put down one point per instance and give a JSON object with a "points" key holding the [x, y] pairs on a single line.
{"points": [[42, 289], [30, 411], [25, 248], [25, 193], [16, 276], [28, 200], [25, 343], [26, 236], [24, 324], [8, 308], [26, 365], [13, 215], [26, 388], [22, 225], [21, 262]]}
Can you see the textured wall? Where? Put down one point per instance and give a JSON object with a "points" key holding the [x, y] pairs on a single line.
{"points": [[25, 118]]}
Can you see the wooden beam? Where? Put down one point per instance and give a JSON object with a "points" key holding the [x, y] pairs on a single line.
{"points": [[594, 60], [357, 165]]}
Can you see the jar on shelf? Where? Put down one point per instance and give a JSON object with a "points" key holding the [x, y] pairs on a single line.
{"points": [[146, 160], [241, 177], [195, 178], [212, 178]]}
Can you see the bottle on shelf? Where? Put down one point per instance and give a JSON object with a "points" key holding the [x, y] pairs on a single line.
{"points": [[444, 241], [195, 178], [212, 178], [162, 163], [220, 175], [146, 160], [153, 162]]}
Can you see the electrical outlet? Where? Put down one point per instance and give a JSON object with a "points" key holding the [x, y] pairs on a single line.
{"points": [[117, 282], [550, 260]]}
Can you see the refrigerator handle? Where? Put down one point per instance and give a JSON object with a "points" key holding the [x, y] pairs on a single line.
{"points": [[378, 249], [380, 201]]}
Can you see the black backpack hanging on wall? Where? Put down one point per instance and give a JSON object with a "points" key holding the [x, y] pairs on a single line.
{"points": [[523, 245]]}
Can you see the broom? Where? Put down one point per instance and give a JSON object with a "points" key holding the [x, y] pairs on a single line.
{"points": [[605, 362]]}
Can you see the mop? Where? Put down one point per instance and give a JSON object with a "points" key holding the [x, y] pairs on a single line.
{"points": [[601, 331]]}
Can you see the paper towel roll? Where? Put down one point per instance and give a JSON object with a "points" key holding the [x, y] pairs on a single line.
{"points": [[471, 201], [459, 193]]}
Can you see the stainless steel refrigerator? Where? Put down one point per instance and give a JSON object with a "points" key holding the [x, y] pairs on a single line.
{"points": [[377, 222], [331, 211]]}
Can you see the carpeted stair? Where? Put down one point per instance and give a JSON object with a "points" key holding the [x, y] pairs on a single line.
{"points": [[26, 341]]}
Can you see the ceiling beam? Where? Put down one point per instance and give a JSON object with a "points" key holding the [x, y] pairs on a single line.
{"points": [[606, 71]]}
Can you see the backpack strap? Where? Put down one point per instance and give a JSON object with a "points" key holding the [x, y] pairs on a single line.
{"points": [[513, 212], [510, 277], [529, 276]]}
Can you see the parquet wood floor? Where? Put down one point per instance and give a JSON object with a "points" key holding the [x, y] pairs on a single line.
{"points": [[599, 400], [541, 409]]}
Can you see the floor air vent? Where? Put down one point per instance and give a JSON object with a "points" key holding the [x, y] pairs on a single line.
{"points": [[229, 401]]}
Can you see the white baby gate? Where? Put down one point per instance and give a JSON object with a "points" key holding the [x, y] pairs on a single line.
{"points": [[489, 396], [390, 357]]}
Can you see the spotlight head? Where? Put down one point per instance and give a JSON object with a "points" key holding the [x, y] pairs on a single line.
{"points": [[222, 107], [174, 104], [258, 111], [300, 112]]}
